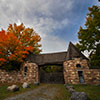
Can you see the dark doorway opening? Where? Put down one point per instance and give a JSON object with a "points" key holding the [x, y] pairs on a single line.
{"points": [[51, 73], [81, 77]]}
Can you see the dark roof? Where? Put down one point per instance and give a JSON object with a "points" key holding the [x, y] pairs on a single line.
{"points": [[49, 58], [56, 58], [74, 52]]}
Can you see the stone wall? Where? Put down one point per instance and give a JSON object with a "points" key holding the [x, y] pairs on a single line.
{"points": [[91, 76], [21, 76], [71, 75], [10, 77]]}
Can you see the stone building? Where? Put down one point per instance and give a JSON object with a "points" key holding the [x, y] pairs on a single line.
{"points": [[75, 69]]}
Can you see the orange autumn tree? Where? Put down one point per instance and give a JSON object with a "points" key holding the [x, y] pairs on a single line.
{"points": [[16, 43]]}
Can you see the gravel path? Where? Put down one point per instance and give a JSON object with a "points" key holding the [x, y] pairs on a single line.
{"points": [[46, 92]]}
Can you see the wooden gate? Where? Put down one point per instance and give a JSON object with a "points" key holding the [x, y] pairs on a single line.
{"points": [[51, 73], [56, 77]]}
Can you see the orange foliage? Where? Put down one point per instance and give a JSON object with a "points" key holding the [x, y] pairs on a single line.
{"points": [[17, 42]]}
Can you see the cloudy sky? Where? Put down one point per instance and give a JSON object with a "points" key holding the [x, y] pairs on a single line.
{"points": [[56, 21]]}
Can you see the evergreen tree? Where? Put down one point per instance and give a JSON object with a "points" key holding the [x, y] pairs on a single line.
{"points": [[89, 36]]}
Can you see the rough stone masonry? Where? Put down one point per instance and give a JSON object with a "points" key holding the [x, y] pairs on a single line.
{"points": [[75, 68]]}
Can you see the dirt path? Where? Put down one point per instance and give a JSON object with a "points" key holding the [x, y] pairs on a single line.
{"points": [[46, 92]]}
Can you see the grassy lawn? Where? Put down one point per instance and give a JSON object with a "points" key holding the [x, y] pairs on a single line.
{"points": [[62, 93], [4, 93], [92, 91]]}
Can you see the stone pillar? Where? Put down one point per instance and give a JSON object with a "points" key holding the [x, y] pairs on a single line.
{"points": [[32, 74], [71, 70]]}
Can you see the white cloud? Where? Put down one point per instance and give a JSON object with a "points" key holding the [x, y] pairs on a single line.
{"points": [[96, 2], [53, 44], [44, 16]]}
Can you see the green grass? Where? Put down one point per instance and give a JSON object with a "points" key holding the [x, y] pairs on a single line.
{"points": [[92, 91], [62, 93], [4, 93]]}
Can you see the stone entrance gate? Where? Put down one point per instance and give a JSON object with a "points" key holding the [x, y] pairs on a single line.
{"points": [[75, 69], [51, 74]]}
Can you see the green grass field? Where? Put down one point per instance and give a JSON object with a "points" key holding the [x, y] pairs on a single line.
{"points": [[4, 93], [62, 94], [92, 91]]}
